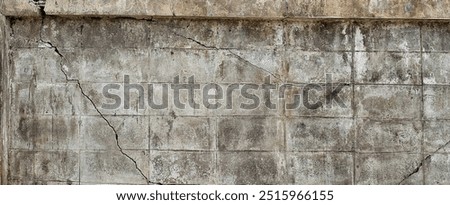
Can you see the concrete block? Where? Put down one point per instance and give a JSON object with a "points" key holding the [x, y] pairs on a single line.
{"points": [[321, 168], [391, 9], [388, 68], [246, 8], [319, 134], [42, 65], [31, 98], [114, 33], [313, 67], [173, 33], [321, 8], [249, 99], [112, 167], [20, 165], [182, 167], [133, 131], [319, 36], [166, 64], [436, 136], [249, 66], [249, 34], [436, 102], [112, 8], [112, 65], [63, 32], [436, 69], [45, 133], [24, 33], [387, 36], [96, 134], [388, 102], [65, 99], [339, 104], [437, 170], [57, 166], [388, 169], [250, 133], [191, 8], [31, 132], [251, 168], [19, 8], [435, 36], [183, 133], [389, 136]]}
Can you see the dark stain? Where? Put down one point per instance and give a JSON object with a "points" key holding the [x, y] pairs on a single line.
{"points": [[255, 134], [229, 132], [345, 58], [44, 166], [375, 76], [254, 169]]}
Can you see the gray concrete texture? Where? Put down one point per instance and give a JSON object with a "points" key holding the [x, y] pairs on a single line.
{"points": [[394, 129]]}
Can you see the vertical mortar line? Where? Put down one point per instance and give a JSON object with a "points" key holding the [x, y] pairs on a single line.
{"points": [[216, 149], [216, 116], [422, 114], [149, 127], [5, 98], [79, 149], [281, 102], [150, 116], [353, 105]]}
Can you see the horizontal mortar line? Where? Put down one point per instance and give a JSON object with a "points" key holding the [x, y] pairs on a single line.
{"points": [[43, 150], [388, 51], [436, 119], [317, 117], [437, 85], [43, 180], [356, 152], [281, 17], [111, 183], [318, 151], [434, 153], [388, 119], [183, 150], [437, 52], [289, 49], [388, 84], [234, 151], [279, 115], [389, 152], [239, 151]]}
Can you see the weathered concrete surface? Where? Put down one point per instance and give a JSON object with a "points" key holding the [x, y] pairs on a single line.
{"points": [[393, 126], [3, 94], [19, 8], [275, 9]]}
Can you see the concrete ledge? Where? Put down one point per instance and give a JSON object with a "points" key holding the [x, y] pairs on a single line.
{"points": [[264, 9], [19, 8]]}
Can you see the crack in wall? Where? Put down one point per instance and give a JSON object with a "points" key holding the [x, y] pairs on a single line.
{"points": [[48, 44], [230, 52], [421, 164]]}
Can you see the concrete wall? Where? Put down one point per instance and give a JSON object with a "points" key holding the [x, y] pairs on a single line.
{"points": [[390, 57]]}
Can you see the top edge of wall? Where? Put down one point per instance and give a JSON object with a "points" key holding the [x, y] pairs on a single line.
{"points": [[246, 9]]}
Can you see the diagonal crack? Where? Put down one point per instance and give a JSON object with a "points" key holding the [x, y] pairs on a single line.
{"points": [[253, 65], [77, 81], [428, 157], [229, 51]]}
